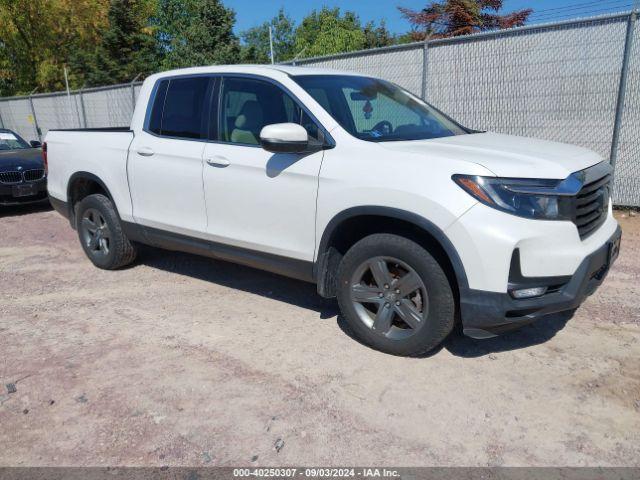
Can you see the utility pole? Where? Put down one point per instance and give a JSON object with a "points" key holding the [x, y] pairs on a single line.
{"points": [[71, 109], [271, 45], [84, 112], [66, 81], [133, 92]]}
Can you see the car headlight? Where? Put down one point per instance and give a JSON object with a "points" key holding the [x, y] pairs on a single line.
{"points": [[541, 199]]}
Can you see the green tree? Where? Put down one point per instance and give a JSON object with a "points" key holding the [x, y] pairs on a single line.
{"points": [[407, 37], [256, 47], [37, 38], [196, 32], [7, 72], [451, 18], [127, 47], [377, 36], [327, 31]]}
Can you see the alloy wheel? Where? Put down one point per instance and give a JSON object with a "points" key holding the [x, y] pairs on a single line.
{"points": [[95, 232], [389, 297]]}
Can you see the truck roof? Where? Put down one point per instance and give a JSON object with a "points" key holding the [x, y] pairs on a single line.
{"points": [[254, 69]]}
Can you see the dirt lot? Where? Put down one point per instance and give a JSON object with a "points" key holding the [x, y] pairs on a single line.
{"points": [[182, 360]]}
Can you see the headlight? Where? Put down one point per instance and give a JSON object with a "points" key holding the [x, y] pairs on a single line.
{"points": [[530, 198]]}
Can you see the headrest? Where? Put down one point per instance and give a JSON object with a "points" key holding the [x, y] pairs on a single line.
{"points": [[250, 117]]}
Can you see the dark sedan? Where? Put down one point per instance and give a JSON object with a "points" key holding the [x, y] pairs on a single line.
{"points": [[23, 176]]}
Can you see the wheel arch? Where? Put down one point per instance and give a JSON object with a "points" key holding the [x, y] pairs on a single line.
{"points": [[82, 184], [410, 224]]}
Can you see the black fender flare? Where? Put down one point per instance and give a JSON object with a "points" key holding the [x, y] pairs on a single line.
{"points": [[84, 176], [322, 263]]}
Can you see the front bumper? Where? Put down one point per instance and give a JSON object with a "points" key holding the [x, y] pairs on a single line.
{"points": [[487, 314], [38, 194]]}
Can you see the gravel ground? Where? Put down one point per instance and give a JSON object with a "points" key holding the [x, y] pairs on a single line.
{"points": [[182, 360]]}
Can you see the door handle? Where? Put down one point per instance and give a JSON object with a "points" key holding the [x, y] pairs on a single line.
{"points": [[145, 151], [218, 161]]}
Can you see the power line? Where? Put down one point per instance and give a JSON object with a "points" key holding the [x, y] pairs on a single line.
{"points": [[612, 4], [585, 13], [560, 12], [576, 14], [573, 6]]}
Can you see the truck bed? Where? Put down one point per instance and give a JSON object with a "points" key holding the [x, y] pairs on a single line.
{"points": [[98, 152], [101, 129]]}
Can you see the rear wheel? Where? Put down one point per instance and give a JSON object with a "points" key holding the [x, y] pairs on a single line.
{"points": [[101, 234], [395, 296]]}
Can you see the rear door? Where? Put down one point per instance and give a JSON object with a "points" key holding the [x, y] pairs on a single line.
{"points": [[165, 159], [256, 199]]}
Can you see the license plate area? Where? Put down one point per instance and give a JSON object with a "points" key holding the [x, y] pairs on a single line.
{"points": [[614, 250], [26, 190], [606, 258]]}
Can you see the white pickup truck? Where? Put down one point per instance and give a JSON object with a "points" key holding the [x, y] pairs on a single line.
{"points": [[413, 221]]}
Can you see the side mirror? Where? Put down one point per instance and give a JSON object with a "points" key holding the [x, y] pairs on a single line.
{"points": [[285, 138], [35, 144]]}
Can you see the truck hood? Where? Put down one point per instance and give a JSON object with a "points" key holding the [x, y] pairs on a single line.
{"points": [[28, 158], [505, 155]]}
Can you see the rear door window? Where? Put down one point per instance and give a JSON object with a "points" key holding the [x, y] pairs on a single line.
{"points": [[179, 108]]}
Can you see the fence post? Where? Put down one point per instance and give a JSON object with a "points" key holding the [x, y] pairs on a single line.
{"points": [[622, 88], [84, 112], [33, 114], [425, 68], [133, 93]]}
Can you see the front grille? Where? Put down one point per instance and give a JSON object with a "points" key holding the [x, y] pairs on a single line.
{"points": [[592, 201], [11, 177], [19, 177], [33, 175]]}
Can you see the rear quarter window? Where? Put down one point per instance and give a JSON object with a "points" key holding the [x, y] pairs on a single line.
{"points": [[155, 119]]}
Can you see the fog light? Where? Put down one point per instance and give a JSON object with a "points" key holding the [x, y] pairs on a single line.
{"points": [[528, 292]]}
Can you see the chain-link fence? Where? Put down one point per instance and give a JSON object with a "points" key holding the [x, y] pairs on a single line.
{"points": [[576, 82], [33, 116]]}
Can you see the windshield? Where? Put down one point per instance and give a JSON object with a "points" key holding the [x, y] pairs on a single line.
{"points": [[10, 141], [377, 111]]}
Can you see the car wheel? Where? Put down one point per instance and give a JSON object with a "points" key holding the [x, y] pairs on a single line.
{"points": [[101, 234], [395, 296]]}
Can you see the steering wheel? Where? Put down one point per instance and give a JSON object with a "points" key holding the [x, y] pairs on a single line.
{"points": [[384, 127]]}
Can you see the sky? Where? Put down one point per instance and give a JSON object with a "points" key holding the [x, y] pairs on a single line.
{"points": [[250, 13]]}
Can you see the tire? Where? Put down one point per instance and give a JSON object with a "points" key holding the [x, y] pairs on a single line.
{"points": [[383, 309], [101, 235]]}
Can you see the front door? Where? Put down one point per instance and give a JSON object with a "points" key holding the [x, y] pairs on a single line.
{"points": [[256, 199]]}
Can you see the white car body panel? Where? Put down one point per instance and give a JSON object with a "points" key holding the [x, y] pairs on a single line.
{"points": [[103, 154], [363, 174], [166, 187], [262, 201], [486, 238], [505, 156]]}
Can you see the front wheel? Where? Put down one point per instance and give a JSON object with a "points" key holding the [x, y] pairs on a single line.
{"points": [[101, 234], [395, 296]]}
